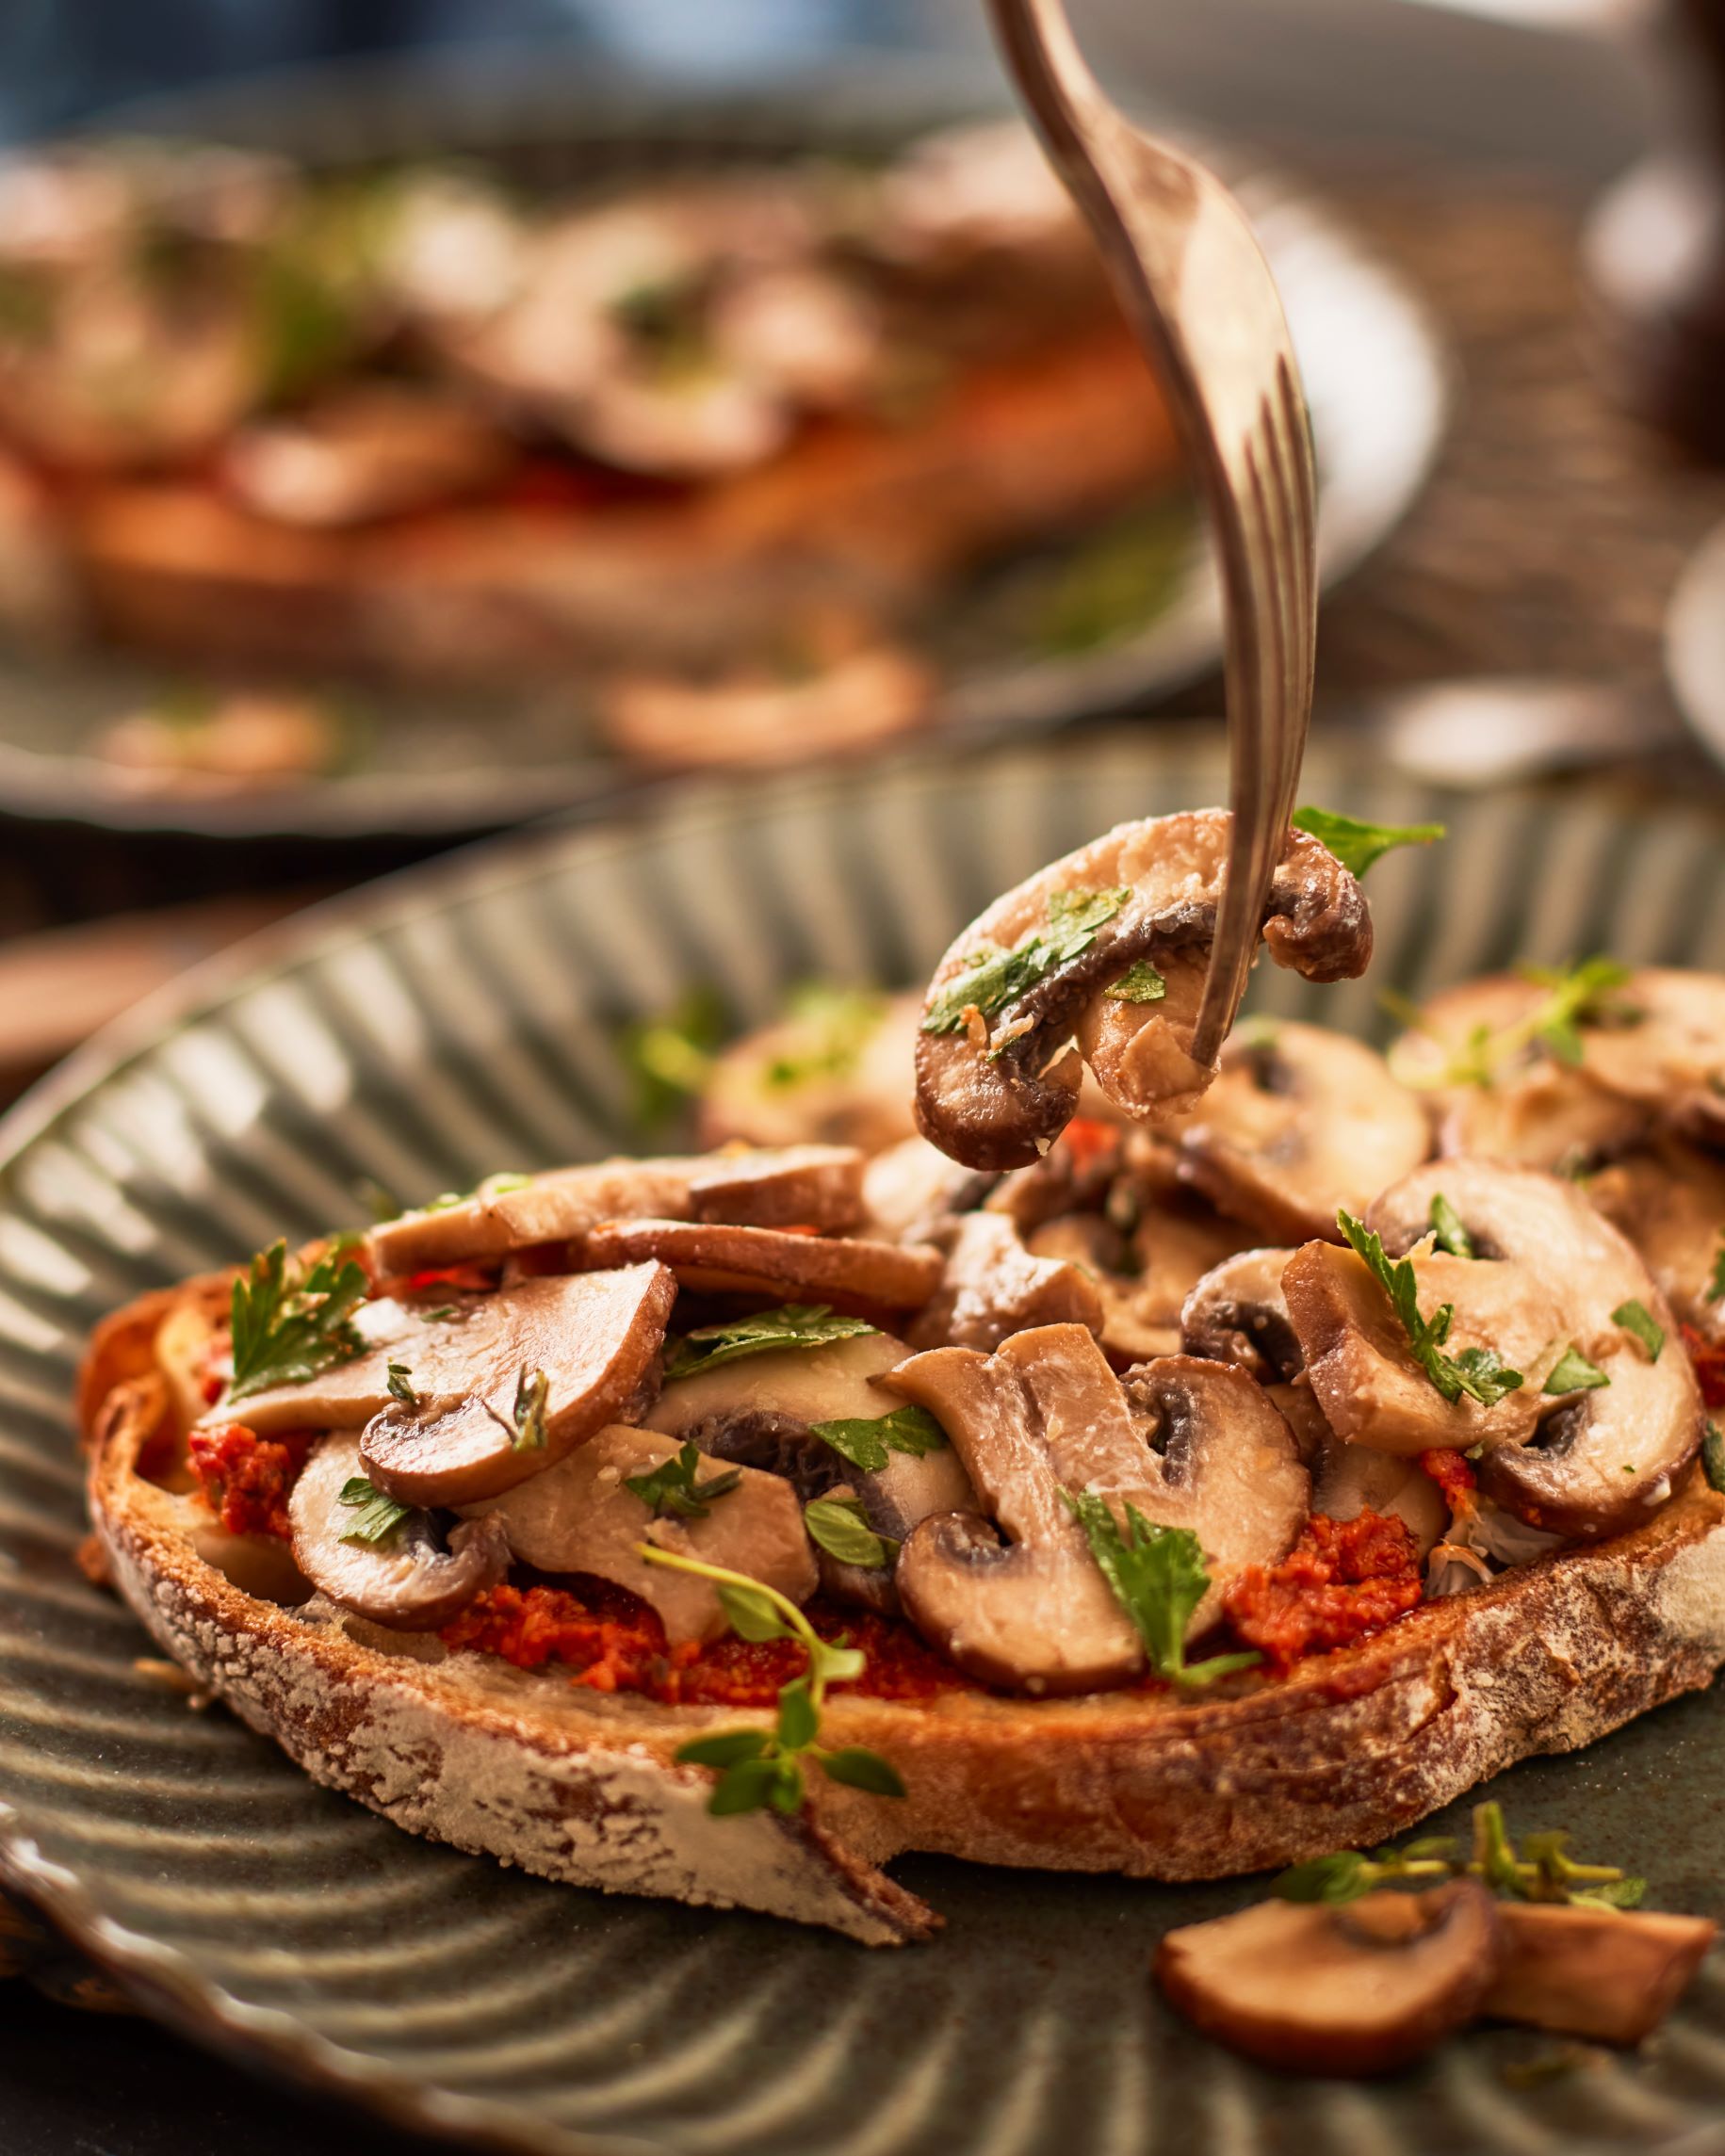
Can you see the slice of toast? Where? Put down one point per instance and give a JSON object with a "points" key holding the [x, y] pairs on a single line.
{"points": [[1351, 1748]]}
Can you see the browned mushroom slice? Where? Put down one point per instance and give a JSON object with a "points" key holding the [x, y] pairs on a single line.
{"points": [[1611, 1975], [1360, 1989], [1189, 1444], [913, 1193], [832, 1070], [806, 1186], [366, 452], [790, 1387], [1238, 1314], [1299, 1123], [1143, 1279], [844, 1271], [995, 1081], [581, 1515], [529, 1373], [1670, 1200], [1661, 1042], [402, 1575], [993, 1285]]}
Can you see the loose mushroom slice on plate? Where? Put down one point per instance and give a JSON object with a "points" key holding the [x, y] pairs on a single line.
{"points": [[803, 1186], [993, 1285], [842, 1271], [1133, 912], [499, 1394], [1670, 1200], [407, 1577], [1298, 1123], [1610, 1975], [1661, 1043], [831, 1070], [1314, 1990], [581, 1515]]}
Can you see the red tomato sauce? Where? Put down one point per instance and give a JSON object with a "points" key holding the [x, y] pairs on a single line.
{"points": [[1343, 1579], [1709, 1360], [248, 1478], [1452, 1476]]}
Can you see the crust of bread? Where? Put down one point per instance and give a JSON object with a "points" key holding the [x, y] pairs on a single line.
{"points": [[1349, 1749]]}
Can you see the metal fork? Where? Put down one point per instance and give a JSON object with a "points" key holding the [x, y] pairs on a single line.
{"points": [[1197, 288]]}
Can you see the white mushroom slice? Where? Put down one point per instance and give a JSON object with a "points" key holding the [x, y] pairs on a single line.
{"points": [[842, 1271], [995, 1090], [1610, 1975], [1299, 1123], [522, 1378], [1143, 1283], [912, 1192], [1237, 1313], [368, 452], [1360, 1989], [831, 1070], [1670, 1201], [993, 1285], [837, 1382], [895, 1501], [1661, 1042], [579, 1516], [813, 1186], [349, 1394], [407, 1579], [1348, 1479], [1189, 1444]]}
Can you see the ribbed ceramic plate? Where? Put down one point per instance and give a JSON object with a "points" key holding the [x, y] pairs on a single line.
{"points": [[1008, 660], [461, 1020]]}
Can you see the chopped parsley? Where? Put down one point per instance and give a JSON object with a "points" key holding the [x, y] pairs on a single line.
{"points": [[289, 1324], [400, 1386], [791, 1325], [992, 978], [1542, 1870], [866, 1444], [840, 1527], [1357, 845], [379, 1515], [670, 1059], [825, 1031], [1157, 1575], [1573, 1372], [1479, 1373], [1712, 1457], [673, 1487], [1715, 1283], [1575, 996], [1447, 1225], [525, 1420], [1139, 983], [1637, 1318]]}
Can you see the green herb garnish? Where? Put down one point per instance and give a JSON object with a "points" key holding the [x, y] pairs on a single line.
{"points": [[1573, 1372], [379, 1515], [1357, 845], [828, 1028], [992, 978], [1716, 1284], [674, 1487], [1637, 1318], [791, 1325], [1712, 1457], [759, 1767], [1447, 1225], [1479, 1373], [840, 1527], [1139, 983], [1576, 995], [866, 1444], [525, 1420], [290, 1323], [400, 1386], [1158, 1578], [1542, 1872], [670, 1059]]}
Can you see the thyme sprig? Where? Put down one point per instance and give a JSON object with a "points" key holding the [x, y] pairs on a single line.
{"points": [[1575, 996], [1542, 1870]]}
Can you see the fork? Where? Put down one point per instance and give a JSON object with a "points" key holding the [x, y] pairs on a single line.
{"points": [[1194, 283]]}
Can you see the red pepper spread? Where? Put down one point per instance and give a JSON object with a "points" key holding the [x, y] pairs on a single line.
{"points": [[1709, 1360], [1452, 1476], [1342, 1580], [248, 1478]]}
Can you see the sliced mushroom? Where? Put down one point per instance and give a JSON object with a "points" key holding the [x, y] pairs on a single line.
{"points": [[842, 1271], [993, 1285], [913, 1193], [1668, 1198], [579, 1516], [371, 451], [1299, 1123], [1189, 1444], [427, 1333], [1524, 1106], [524, 1378], [1660, 1042], [1348, 1479], [996, 1093], [809, 1186], [1608, 1975], [1360, 1989], [837, 1382], [831, 1070], [1238, 1314], [895, 1501], [409, 1580]]}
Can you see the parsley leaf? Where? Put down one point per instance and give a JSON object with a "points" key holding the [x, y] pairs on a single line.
{"points": [[1637, 1318], [400, 1386], [791, 1325], [526, 1421], [866, 1443], [824, 1032], [992, 978], [1343, 1877], [670, 1058], [672, 1486], [379, 1515], [1139, 983], [1480, 1372], [1716, 1284], [1158, 1578], [1447, 1225], [1357, 845], [1573, 1372], [840, 1527], [288, 1324], [1712, 1457], [1576, 995]]}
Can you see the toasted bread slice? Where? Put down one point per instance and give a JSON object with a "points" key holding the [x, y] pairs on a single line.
{"points": [[1350, 1749]]}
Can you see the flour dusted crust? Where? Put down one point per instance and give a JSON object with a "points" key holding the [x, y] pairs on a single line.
{"points": [[1349, 1749]]}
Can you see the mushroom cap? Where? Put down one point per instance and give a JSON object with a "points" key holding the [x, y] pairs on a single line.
{"points": [[1610, 1975], [1668, 1198], [1237, 1313], [863, 1102], [579, 1516], [1312, 1988], [913, 1193], [409, 1583], [1668, 1050], [594, 1336], [849, 1273], [993, 1286], [1297, 1125], [999, 1101]]}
